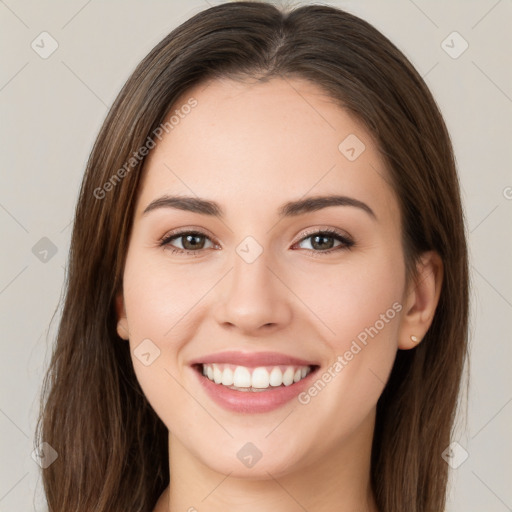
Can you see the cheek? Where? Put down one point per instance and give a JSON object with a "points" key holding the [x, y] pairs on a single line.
{"points": [[349, 300], [152, 309], [158, 297], [361, 307]]}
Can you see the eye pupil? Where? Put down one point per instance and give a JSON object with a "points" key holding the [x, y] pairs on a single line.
{"points": [[187, 239], [321, 245]]}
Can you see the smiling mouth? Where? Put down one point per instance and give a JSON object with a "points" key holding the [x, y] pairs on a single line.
{"points": [[254, 379]]}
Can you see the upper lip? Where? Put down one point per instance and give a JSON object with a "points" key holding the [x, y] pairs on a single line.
{"points": [[252, 359]]}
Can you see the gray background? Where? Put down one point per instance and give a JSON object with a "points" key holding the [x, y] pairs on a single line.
{"points": [[51, 110]]}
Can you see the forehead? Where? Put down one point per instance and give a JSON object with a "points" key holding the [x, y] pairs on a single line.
{"points": [[249, 143]]}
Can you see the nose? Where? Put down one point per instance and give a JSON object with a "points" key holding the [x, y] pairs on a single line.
{"points": [[254, 297]]}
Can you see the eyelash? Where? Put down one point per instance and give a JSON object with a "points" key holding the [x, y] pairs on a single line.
{"points": [[347, 243]]}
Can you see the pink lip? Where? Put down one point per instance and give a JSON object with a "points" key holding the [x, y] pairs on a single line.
{"points": [[252, 359], [250, 402]]}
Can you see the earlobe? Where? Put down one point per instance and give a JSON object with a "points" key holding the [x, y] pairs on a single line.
{"points": [[122, 330], [122, 323], [421, 300]]}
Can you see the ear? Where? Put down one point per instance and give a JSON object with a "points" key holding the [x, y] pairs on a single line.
{"points": [[122, 322], [421, 299]]}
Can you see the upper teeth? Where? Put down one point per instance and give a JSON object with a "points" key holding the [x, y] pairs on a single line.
{"points": [[261, 377]]}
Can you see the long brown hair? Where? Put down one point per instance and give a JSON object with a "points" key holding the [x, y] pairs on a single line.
{"points": [[111, 445]]}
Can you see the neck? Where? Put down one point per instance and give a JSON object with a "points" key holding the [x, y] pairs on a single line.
{"points": [[338, 480]]}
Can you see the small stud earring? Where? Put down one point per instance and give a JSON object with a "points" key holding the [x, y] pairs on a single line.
{"points": [[414, 339]]}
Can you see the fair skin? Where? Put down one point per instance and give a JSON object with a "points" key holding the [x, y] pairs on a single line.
{"points": [[250, 148]]}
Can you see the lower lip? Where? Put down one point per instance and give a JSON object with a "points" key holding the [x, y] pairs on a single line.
{"points": [[253, 401]]}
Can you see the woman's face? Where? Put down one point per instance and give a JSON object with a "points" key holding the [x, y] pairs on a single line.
{"points": [[264, 278]]}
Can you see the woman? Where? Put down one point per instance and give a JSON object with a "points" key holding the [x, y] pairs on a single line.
{"points": [[267, 298]]}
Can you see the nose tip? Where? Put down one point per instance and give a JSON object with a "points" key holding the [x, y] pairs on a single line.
{"points": [[253, 299]]}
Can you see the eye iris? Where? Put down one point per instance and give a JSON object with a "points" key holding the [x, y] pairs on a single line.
{"points": [[317, 245], [187, 238]]}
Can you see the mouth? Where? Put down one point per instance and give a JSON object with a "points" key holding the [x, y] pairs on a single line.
{"points": [[254, 379], [253, 389]]}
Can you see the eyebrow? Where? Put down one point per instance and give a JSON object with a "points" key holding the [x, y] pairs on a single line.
{"points": [[289, 209]]}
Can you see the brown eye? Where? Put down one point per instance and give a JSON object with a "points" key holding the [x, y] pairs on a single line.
{"points": [[324, 241], [190, 241]]}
